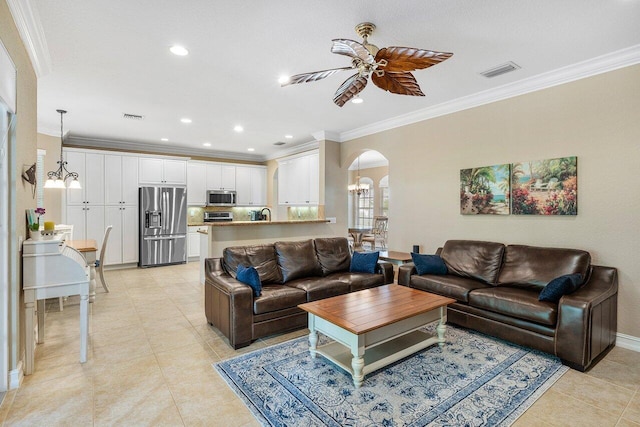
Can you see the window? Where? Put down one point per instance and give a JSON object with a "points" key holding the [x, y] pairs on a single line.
{"points": [[384, 196], [364, 205]]}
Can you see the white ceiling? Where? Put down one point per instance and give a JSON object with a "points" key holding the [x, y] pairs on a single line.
{"points": [[111, 57]]}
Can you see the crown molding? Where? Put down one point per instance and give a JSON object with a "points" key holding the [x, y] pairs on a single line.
{"points": [[109, 144], [601, 64], [312, 145], [324, 135], [27, 20]]}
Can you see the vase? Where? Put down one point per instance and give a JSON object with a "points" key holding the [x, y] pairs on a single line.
{"points": [[35, 235]]}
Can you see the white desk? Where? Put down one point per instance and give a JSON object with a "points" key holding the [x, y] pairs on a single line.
{"points": [[50, 269]]}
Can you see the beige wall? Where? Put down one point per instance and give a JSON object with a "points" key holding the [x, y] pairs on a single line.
{"points": [[24, 155], [52, 196], [596, 119]]}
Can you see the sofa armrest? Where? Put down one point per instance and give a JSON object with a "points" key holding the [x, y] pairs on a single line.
{"points": [[404, 273], [228, 304], [385, 268], [587, 319]]}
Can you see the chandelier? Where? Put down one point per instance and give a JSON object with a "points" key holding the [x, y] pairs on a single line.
{"points": [[58, 178], [358, 188]]}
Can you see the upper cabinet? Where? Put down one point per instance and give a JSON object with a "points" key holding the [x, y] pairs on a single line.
{"points": [[90, 169], [155, 171], [121, 180], [251, 185], [196, 183], [221, 177], [299, 180]]}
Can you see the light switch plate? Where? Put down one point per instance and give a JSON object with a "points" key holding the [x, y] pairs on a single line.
{"points": [[332, 220]]}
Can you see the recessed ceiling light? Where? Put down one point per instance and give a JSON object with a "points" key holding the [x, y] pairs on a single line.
{"points": [[238, 128], [283, 80], [206, 144], [186, 120], [164, 139], [288, 136], [251, 149], [357, 100], [179, 50]]}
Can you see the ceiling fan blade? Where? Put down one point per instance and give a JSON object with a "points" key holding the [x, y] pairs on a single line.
{"points": [[352, 49], [397, 59], [350, 88], [401, 83], [313, 76]]}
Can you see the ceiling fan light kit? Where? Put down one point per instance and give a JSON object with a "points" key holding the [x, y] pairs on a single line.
{"points": [[389, 67]]}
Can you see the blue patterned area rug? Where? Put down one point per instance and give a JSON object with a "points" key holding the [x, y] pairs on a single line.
{"points": [[475, 380]]}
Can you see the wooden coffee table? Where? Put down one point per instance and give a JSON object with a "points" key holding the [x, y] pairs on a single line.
{"points": [[375, 327]]}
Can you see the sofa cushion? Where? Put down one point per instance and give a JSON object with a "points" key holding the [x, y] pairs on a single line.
{"points": [[261, 257], [364, 262], [448, 286], [297, 259], [474, 259], [531, 266], [278, 297], [515, 302], [249, 276], [319, 287], [429, 264], [359, 281], [563, 285], [333, 254]]}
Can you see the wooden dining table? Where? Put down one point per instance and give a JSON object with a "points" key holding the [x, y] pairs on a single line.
{"points": [[358, 233], [89, 249]]}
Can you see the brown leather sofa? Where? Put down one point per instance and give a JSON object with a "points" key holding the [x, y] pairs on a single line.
{"points": [[291, 273], [496, 288]]}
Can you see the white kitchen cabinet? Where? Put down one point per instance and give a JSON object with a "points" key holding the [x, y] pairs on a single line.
{"points": [[299, 180], [122, 247], [121, 180], [193, 245], [221, 177], [155, 171], [88, 223], [90, 169], [251, 185], [196, 183]]}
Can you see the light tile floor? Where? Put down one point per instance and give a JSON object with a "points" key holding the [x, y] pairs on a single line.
{"points": [[150, 356]]}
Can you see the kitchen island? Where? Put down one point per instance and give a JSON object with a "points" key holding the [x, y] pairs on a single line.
{"points": [[220, 235]]}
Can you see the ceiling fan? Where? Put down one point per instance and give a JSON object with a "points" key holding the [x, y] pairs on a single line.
{"points": [[388, 67]]}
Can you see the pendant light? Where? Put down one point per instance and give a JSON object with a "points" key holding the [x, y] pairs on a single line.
{"points": [[58, 178], [358, 188]]}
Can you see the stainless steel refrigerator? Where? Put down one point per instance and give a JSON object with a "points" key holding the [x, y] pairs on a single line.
{"points": [[163, 226]]}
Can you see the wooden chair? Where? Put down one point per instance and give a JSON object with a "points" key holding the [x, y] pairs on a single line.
{"points": [[380, 224]]}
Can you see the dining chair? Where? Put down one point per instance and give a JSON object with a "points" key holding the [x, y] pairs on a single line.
{"points": [[379, 232], [100, 261]]}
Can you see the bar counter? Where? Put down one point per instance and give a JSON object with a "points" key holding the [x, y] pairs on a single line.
{"points": [[244, 223]]}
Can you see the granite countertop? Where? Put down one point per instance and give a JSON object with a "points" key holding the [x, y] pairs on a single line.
{"points": [[243, 223]]}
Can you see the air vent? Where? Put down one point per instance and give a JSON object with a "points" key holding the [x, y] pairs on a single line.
{"points": [[279, 143], [500, 69], [132, 116]]}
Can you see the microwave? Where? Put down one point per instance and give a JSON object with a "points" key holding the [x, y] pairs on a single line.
{"points": [[221, 198]]}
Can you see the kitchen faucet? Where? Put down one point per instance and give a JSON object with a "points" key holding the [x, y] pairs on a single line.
{"points": [[268, 210]]}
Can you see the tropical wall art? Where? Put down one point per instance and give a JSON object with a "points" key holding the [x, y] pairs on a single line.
{"points": [[545, 187], [485, 190]]}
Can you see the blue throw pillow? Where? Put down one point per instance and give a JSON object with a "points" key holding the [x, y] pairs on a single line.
{"points": [[559, 286], [429, 264], [364, 262], [249, 276]]}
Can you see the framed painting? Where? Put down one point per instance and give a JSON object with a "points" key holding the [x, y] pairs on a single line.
{"points": [[545, 187], [485, 190]]}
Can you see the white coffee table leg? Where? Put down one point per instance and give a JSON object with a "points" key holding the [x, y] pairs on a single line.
{"points": [[313, 336], [357, 364], [442, 327]]}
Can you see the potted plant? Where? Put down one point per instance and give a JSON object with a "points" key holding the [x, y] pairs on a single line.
{"points": [[34, 227]]}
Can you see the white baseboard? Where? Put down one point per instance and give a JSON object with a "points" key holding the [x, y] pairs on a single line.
{"points": [[16, 376], [627, 341]]}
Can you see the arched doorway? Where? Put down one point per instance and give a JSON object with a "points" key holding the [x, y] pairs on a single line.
{"points": [[367, 199]]}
